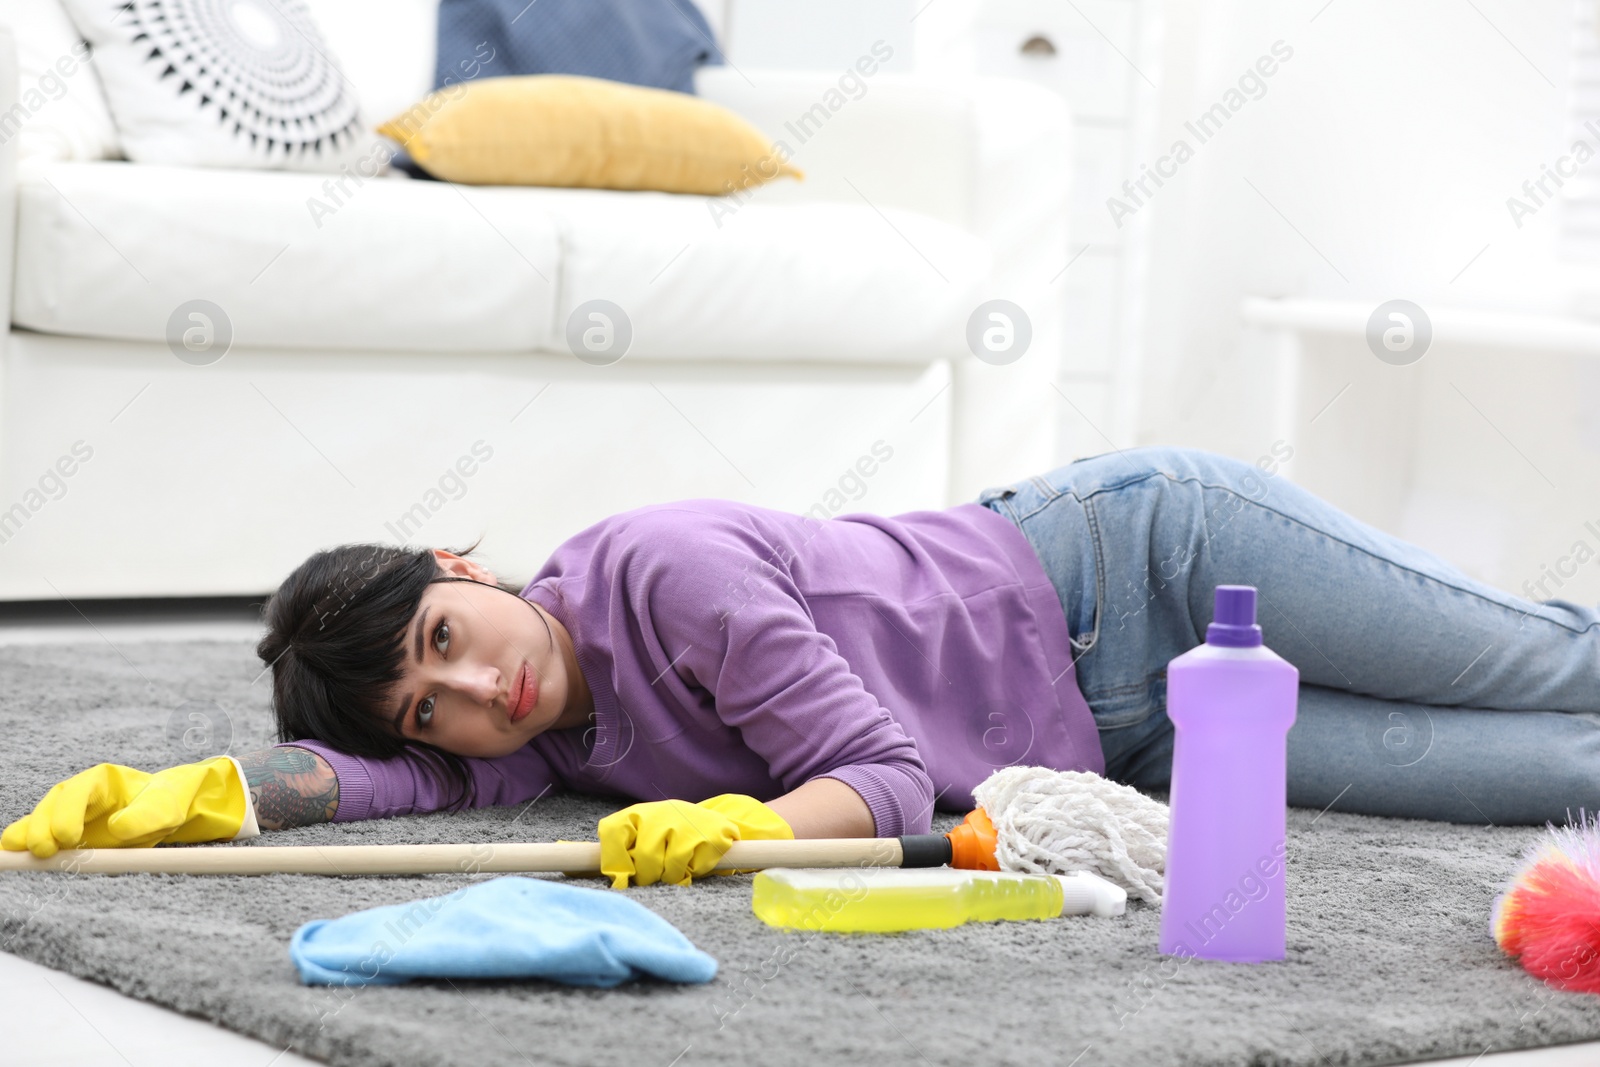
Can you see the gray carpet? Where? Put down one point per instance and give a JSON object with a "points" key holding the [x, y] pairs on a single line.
{"points": [[1389, 957]]}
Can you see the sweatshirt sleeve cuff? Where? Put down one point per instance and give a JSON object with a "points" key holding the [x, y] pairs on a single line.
{"points": [[888, 812], [355, 783]]}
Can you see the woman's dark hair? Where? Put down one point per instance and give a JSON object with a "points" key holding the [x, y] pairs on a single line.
{"points": [[335, 643]]}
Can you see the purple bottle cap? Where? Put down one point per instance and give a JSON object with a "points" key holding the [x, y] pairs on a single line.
{"points": [[1233, 622]]}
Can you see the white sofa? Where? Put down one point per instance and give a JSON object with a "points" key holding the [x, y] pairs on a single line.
{"points": [[782, 344]]}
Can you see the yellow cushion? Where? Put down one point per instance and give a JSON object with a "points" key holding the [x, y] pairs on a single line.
{"points": [[554, 129]]}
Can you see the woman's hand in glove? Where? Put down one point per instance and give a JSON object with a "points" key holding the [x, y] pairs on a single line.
{"points": [[112, 806], [676, 841]]}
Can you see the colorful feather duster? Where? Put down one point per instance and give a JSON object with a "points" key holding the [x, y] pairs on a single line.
{"points": [[1549, 914]]}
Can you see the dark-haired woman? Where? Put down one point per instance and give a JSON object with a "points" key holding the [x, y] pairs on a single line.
{"points": [[742, 672]]}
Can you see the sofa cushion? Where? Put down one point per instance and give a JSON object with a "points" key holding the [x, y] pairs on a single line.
{"points": [[113, 250], [244, 84], [388, 48], [711, 279], [566, 131], [656, 43]]}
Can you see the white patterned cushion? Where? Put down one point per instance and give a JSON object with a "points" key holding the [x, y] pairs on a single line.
{"points": [[228, 83]]}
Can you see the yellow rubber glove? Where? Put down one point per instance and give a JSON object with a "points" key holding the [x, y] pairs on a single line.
{"points": [[112, 806], [676, 841]]}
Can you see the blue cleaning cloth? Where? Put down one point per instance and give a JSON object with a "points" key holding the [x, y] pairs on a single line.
{"points": [[504, 928], [656, 43]]}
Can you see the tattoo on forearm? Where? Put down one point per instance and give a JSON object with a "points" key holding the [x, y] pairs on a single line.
{"points": [[290, 787]]}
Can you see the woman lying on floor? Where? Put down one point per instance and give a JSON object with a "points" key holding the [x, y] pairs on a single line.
{"points": [[844, 678]]}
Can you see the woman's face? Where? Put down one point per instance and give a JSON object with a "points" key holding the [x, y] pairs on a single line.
{"points": [[485, 670]]}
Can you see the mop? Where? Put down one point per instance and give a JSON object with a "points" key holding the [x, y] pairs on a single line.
{"points": [[1030, 820]]}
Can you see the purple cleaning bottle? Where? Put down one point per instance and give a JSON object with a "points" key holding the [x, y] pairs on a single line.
{"points": [[1231, 702]]}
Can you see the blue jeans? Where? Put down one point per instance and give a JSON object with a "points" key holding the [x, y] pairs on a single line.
{"points": [[1423, 692]]}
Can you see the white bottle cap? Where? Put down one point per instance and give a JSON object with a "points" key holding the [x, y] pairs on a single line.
{"points": [[1086, 893]]}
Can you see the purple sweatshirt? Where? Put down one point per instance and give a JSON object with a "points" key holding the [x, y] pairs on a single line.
{"points": [[737, 649]]}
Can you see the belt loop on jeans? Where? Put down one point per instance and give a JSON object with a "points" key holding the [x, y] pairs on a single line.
{"points": [[997, 500]]}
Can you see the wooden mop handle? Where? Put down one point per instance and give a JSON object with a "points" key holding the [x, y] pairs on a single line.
{"points": [[571, 857]]}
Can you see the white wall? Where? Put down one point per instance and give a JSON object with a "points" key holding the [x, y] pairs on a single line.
{"points": [[1376, 166], [1390, 141]]}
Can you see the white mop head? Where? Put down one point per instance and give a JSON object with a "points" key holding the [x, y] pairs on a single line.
{"points": [[1058, 822]]}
